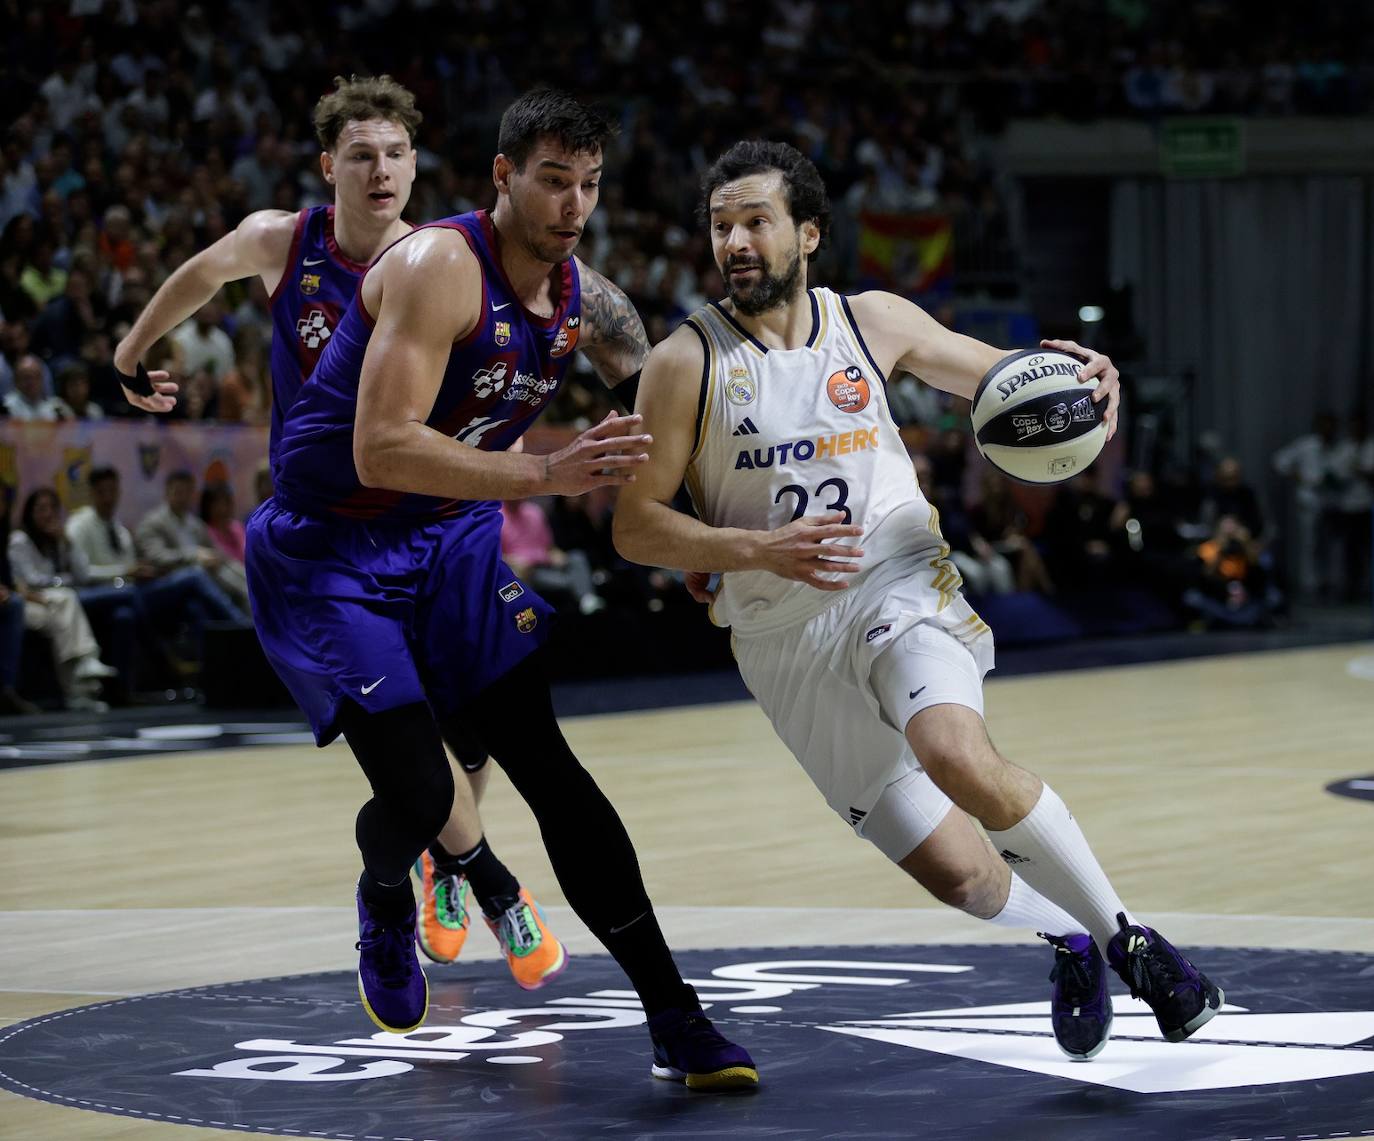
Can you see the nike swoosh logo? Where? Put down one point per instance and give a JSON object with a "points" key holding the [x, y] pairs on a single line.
{"points": [[915, 693], [369, 688], [313, 261], [498, 308], [627, 926]]}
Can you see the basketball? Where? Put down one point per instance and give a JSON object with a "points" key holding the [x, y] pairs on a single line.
{"points": [[1034, 420]]}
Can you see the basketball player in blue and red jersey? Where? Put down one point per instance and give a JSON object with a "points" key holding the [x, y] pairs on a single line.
{"points": [[771, 405], [310, 263], [375, 570]]}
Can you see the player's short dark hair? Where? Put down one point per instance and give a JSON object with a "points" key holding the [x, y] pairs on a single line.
{"points": [[802, 185], [579, 129], [181, 475], [360, 98], [102, 474]]}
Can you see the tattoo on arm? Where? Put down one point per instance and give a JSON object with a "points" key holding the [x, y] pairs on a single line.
{"points": [[613, 336]]}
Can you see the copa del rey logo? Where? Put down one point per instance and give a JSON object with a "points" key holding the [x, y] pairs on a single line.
{"points": [[1239, 1048]]}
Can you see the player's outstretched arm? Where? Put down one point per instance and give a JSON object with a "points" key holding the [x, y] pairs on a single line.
{"points": [[906, 334], [259, 245], [426, 293], [648, 530]]}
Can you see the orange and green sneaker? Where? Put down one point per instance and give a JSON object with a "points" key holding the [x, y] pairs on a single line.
{"points": [[444, 913], [532, 953]]}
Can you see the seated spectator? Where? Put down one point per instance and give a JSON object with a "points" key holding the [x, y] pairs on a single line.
{"points": [[527, 546], [1147, 540], [1078, 533], [1001, 520], [178, 600], [27, 401], [41, 278], [1233, 586], [245, 394], [12, 605], [198, 399], [67, 320], [583, 523], [74, 393], [1229, 494], [38, 560], [172, 537], [227, 534], [200, 345]]}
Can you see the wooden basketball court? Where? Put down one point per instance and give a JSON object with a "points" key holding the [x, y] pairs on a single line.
{"points": [[1200, 784]]}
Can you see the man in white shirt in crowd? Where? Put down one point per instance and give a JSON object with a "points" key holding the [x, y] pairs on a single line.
{"points": [[202, 346], [27, 401], [173, 537]]}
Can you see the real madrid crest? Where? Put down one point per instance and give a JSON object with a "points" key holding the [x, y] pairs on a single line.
{"points": [[739, 387]]}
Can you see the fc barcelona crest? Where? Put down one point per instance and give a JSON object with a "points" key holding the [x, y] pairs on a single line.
{"points": [[566, 340], [310, 283], [526, 620], [502, 333]]}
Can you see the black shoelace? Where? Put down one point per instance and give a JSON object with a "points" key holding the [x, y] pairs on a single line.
{"points": [[1078, 983], [1154, 973]]}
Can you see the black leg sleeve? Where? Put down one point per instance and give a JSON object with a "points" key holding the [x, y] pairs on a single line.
{"points": [[412, 786], [587, 844]]}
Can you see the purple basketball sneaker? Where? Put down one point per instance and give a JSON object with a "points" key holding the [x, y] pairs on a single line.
{"points": [[687, 1048], [391, 984], [1182, 997], [1081, 1009]]}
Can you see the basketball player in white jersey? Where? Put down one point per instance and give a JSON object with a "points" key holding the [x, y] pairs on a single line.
{"points": [[849, 625]]}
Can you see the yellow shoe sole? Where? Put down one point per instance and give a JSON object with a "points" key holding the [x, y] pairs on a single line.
{"points": [[372, 1014], [736, 1077]]}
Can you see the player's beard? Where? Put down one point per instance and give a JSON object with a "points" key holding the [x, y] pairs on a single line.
{"points": [[545, 248], [772, 291]]}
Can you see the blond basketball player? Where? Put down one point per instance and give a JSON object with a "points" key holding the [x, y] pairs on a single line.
{"points": [[849, 625]]}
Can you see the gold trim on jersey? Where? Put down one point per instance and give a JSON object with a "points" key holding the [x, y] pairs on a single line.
{"points": [[723, 321], [710, 396], [822, 318], [947, 578]]}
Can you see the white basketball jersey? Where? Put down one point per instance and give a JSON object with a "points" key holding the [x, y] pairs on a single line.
{"points": [[787, 433]]}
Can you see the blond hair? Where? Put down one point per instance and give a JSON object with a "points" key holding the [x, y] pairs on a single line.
{"points": [[360, 98]]}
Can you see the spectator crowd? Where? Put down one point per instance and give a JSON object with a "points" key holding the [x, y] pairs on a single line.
{"points": [[136, 132]]}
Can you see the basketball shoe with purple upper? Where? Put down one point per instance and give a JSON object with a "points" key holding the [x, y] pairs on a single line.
{"points": [[391, 984], [1081, 1009], [1182, 997], [687, 1048]]}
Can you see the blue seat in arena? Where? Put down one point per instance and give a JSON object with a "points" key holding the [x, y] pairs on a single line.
{"points": [[1026, 618]]}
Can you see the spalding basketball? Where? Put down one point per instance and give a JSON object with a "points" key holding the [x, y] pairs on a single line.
{"points": [[1035, 420]]}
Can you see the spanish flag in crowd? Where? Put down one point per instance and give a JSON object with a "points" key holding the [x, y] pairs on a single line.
{"points": [[910, 254]]}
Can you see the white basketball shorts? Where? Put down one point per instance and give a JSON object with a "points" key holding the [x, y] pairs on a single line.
{"points": [[841, 687]]}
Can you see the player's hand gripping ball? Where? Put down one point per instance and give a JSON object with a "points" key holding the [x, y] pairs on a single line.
{"points": [[1034, 420]]}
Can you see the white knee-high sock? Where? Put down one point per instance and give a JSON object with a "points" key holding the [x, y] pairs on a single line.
{"points": [[1027, 908], [1047, 849]]}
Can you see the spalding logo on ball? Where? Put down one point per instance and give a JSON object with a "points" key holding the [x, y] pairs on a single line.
{"points": [[1034, 420]]}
